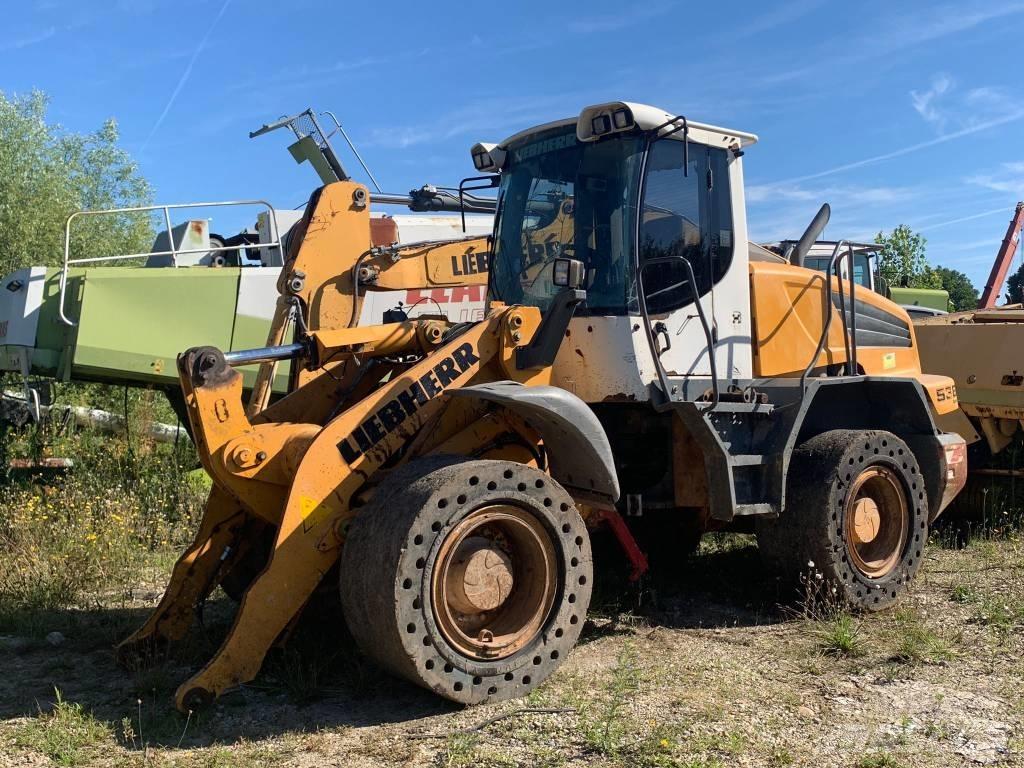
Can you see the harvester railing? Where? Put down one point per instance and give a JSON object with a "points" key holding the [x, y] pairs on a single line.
{"points": [[174, 252]]}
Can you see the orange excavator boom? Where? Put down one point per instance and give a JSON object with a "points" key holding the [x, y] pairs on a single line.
{"points": [[1004, 258]]}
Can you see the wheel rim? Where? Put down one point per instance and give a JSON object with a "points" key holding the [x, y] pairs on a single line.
{"points": [[495, 582], [876, 522]]}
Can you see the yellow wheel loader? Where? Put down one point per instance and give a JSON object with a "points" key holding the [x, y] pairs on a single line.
{"points": [[638, 365]]}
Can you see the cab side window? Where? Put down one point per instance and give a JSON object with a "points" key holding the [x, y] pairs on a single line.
{"points": [[687, 215]]}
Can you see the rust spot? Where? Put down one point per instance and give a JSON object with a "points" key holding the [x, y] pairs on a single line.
{"points": [[196, 226], [620, 397], [383, 231]]}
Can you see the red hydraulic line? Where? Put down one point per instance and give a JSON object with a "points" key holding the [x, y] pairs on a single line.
{"points": [[1003, 260]]}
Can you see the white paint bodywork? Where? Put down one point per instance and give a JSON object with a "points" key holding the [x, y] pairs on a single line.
{"points": [[19, 309], [257, 288]]}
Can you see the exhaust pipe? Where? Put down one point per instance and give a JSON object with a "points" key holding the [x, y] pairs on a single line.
{"points": [[813, 231]]}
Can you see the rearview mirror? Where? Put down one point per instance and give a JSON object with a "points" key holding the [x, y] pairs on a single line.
{"points": [[568, 273]]}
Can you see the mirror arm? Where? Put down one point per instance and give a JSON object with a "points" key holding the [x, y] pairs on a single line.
{"points": [[546, 341]]}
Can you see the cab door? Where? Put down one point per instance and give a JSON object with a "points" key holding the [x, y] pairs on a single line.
{"points": [[695, 214]]}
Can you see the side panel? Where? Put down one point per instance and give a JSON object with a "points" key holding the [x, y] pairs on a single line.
{"points": [[23, 326], [257, 298], [20, 303], [134, 322], [786, 303]]}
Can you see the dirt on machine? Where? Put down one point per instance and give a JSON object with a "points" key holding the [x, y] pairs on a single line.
{"points": [[639, 367]]}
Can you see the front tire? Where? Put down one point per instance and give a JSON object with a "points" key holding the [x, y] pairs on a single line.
{"points": [[856, 508], [469, 578]]}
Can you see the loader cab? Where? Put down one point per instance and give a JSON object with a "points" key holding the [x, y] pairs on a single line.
{"points": [[640, 197]]}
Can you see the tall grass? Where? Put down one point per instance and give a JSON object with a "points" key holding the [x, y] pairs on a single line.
{"points": [[86, 538]]}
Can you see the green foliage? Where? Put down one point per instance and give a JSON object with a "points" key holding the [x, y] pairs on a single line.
{"points": [[63, 734], [879, 760], [839, 636], [962, 593], [902, 260], [607, 732], [46, 173], [915, 641], [1015, 287], [459, 751], [1003, 613], [962, 293], [64, 544]]}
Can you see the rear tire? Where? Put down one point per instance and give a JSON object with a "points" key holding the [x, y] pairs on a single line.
{"points": [[856, 508], [469, 578]]}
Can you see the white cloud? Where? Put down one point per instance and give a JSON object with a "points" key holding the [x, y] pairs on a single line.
{"points": [[894, 35], [778, 16], [1012, 117], [1008, 179], [961, 219], [843, 195], [926, 102], [185, 75], [24, 42], [616, 21], [488, 119]]}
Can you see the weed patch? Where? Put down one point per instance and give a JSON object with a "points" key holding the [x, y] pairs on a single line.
{"points": [[839, 636], [64, 734], [915, 642]]}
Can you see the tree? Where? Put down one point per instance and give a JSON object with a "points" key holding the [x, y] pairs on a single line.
{"points": [[1015, 287], [902, 261], [962, 293], [47, 172]]}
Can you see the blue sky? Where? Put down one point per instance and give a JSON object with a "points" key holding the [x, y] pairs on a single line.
{"points": [[894, 113]]}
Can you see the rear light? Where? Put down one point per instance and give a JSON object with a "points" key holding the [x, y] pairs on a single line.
{"points": [[955, 455], [956, 459]]}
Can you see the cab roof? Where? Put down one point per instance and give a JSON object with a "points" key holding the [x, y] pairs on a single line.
{"points": [[646, 118]]}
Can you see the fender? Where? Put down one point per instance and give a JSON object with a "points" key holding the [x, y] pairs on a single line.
{"points": [[579, 453], [898, 405]]}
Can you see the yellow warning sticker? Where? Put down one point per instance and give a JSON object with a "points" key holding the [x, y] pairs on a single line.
{"points": [[889, 360]]}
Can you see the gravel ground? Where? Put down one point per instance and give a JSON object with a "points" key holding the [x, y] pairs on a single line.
{"points": [[709, 670]]}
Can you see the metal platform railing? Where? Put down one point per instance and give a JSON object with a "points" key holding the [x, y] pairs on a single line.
{"points": [[173, 252]]}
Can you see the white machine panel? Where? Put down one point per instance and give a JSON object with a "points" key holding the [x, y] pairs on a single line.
{"points": [[20, 299]]}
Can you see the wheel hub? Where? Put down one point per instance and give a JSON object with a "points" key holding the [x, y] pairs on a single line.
{"points": [[877, 522], [494, 584], [480, 577], [866, 520]]}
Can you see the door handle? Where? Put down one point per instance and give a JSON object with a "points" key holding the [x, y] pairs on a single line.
{"points": [[660, 329]]}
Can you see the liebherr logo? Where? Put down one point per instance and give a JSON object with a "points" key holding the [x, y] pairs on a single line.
{"points": [[395, 411]]}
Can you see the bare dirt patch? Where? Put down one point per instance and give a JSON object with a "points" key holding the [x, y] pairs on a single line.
{"points": [[706, 670]]}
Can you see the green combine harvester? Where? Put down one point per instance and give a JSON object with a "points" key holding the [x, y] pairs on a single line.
{"points": [[124, 318]]}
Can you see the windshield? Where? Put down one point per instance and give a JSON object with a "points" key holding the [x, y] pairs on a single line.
{"points": [[564, 198], [861, 266]]}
